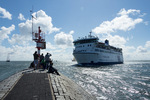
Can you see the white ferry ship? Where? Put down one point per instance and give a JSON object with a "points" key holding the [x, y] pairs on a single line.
{"points": [[89, 50]]}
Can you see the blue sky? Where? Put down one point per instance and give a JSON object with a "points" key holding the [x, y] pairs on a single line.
{"points": [[124, 22]]}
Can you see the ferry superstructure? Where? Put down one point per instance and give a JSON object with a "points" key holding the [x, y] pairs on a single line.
{"points": [[89, 50]]}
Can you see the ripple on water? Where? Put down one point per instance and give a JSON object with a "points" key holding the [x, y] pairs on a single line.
{"points": [[122, 81]]}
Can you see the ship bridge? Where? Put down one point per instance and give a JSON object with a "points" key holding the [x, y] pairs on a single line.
{"points": [[89, 39], [85, 44]]}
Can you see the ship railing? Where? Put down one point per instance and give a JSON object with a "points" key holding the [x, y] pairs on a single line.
{"points": [[109, 47], [89, 37]]}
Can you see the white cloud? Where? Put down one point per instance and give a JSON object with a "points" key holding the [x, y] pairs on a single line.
{"points": [[18, 53], [42, 20], [64, 39], [122, 22], [128, 52], [137, 56], [71, 32], [141, 49], [115, 40], [45, 22], [4, 32], [62, 54], [19, 39], [21, 17], [130, 11], [4, 52], [23, 52], [25, 28], [147, 45], [50, 46], [142, 15], [125, 21], [5, 14], [128, 49], [137, 53]]}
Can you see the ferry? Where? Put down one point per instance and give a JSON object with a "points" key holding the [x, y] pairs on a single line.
{"points": [[89, 50]]}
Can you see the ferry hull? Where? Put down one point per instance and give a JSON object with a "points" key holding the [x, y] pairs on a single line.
{"points": [[86, 57], [97, 59]]}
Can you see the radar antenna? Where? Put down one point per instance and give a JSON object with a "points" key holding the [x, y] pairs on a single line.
{"points": [[90, 34]]}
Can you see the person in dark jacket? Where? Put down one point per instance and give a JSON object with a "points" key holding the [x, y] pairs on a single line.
{"points": [[41, 57], [51, 69], [47, 59], [43, 64], [31, 65], [35, 55]]}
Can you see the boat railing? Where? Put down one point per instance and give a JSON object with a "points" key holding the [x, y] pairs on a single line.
{"points": [[89, 37]]}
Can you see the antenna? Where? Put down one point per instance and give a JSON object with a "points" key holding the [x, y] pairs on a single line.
{"points": [[31, 11], [90, 34]]}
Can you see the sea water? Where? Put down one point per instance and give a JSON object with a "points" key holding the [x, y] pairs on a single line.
{"points": [[128, 81], [9, 68]]}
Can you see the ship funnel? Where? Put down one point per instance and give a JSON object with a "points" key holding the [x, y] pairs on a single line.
{"points": [[106, 42]]}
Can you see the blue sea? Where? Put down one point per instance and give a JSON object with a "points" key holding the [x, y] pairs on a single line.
{"points": [[128, 81]]}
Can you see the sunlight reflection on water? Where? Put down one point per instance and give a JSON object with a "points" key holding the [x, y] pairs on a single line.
{"points": [[121, 81], [127, 81]]}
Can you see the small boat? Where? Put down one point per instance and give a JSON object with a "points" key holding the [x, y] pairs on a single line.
{"points": [[8, 59]]}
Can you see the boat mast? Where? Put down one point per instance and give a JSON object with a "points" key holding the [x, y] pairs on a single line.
{"points": [[8, 57]]}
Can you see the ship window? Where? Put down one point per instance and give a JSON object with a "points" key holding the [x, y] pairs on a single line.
{"points": [[96, 50], [101, 51], [85, 41], [92, 62]]}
